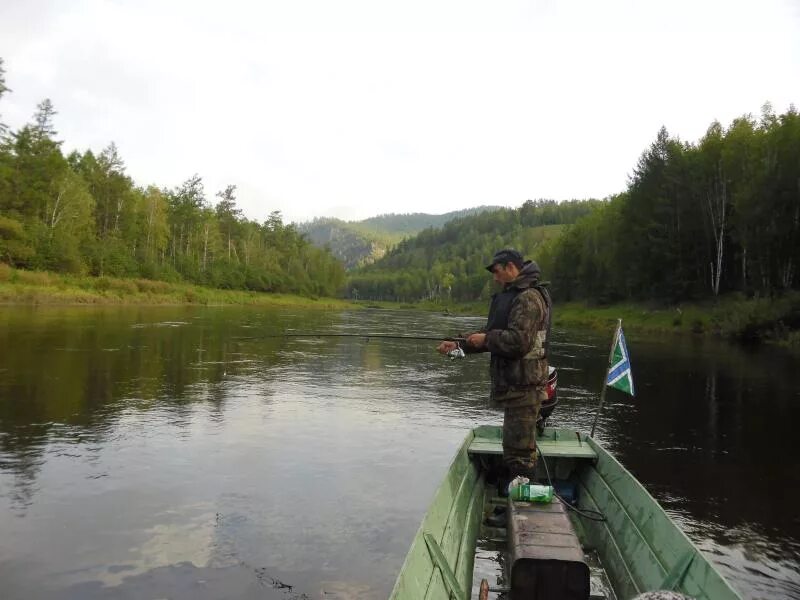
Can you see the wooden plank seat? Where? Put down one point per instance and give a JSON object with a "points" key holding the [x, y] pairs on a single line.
{"points": [[553, 442], [547, 560]]}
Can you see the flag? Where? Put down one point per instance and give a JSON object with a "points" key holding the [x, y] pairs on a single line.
{"points": [[619, 368]]}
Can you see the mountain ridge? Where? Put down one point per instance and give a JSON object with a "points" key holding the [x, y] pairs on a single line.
{"points": [[359, 243]]}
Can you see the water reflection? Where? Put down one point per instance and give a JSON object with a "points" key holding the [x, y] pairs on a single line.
{"points": [[181, 451], [711, 436]]}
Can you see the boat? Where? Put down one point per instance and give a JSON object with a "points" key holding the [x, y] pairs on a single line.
{"points": [[602, 536]]}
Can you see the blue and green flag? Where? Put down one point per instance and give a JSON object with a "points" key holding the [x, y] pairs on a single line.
{"points": [[619, 369]]}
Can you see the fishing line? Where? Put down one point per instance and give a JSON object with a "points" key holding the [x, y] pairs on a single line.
{"points": [[455, 353], [386, 336], [592, 515]]}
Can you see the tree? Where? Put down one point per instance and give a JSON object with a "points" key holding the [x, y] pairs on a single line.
{"points": [[717, 198], [186, 204], [36, 168], [741, 162], [71, 209], [70, 224], [153, 209], [15, 247], [210, 233], [3, 89], [111, 188], [228, 215], [43, 119]]}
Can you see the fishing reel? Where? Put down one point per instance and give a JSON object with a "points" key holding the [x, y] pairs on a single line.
{"points": [[456, 352]]}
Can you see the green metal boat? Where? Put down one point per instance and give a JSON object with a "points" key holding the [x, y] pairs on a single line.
{"points": [[617, 544]]}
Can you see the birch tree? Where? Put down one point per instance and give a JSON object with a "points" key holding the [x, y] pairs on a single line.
{"points": [[717, 199]]}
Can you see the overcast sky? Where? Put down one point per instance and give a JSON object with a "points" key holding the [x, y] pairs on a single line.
{"points": [[352, 109]]}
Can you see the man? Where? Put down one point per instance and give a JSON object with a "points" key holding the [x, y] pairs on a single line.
{"points": [[516, 335]]}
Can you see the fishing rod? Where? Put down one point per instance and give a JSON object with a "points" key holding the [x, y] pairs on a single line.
{"points": [[386, 336], [457, 352]]}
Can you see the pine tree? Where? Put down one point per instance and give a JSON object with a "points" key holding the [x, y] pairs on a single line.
{"points": [[43, 119], [3, 89]]}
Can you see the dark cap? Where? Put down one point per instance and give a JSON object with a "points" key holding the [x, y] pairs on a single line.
{"points": [[505, 256]]}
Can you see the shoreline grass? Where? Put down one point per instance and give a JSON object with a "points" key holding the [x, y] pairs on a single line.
{"points": [[773, 320], [750, 320], [21, 287]]}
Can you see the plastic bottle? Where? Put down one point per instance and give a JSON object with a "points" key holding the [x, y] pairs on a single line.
{"points": [[531, 493]]}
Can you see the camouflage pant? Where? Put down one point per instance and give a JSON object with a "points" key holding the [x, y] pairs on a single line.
{"points": [[519, 432]]}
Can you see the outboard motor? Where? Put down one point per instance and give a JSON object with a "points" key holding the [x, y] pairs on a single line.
{"points": [[549, 405]]}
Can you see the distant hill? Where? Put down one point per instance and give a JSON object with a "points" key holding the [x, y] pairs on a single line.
{"points": [[346, 241], [359, 243], [412, 223], [449, 262]]}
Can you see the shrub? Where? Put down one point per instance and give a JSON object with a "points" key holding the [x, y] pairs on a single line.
{"points": [[151, 286], [6, 272], [102, 284], [38, 278], [756, 320], [15, 246], [125, 287]]}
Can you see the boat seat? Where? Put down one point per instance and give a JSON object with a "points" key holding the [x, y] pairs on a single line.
{"points": [[547, 561], [553, 443]]}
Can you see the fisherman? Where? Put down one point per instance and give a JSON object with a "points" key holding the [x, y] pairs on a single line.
{"points": [[516, 335]]}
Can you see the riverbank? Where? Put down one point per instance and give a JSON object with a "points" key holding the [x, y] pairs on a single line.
{"points": [[773, 320], [18, 286], [749, 320]]}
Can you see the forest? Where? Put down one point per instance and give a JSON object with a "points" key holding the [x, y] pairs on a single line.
{"points": [[81, 213], [696, 221]]}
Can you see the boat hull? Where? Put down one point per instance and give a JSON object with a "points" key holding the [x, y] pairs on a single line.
{"points": [[639, 546]]}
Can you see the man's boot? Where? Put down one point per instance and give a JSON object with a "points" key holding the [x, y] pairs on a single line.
{"points": [[498, 518]]}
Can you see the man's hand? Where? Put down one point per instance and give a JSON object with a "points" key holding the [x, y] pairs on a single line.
{"points": [[446, 347], [477, 340]]}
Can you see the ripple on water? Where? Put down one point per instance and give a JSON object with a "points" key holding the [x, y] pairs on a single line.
{"points": [[321, 455], [160, 324]]}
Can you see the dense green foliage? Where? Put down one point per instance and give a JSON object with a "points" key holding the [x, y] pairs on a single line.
{"points": [[697, 220], [449, 263], [82, 214]]}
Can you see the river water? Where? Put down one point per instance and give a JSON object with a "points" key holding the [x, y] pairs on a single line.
{"points": [[177, 453]]}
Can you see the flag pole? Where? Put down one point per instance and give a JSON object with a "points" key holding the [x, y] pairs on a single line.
{"points": [[605, 377]]}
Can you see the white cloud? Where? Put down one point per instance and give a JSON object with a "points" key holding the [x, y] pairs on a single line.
{"points": [[358, 108]]}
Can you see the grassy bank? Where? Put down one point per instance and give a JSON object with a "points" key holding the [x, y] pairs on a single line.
{"points": [[37, 287], [774, 320], [749, 320]]}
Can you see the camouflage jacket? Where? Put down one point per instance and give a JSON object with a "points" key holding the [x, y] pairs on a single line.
{"points": [[516, 335]]}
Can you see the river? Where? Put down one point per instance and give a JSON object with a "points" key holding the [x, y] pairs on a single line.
{"points": [[153, 452]]}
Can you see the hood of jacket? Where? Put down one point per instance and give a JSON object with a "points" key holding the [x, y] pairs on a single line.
{"points": [[528, 276]]}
